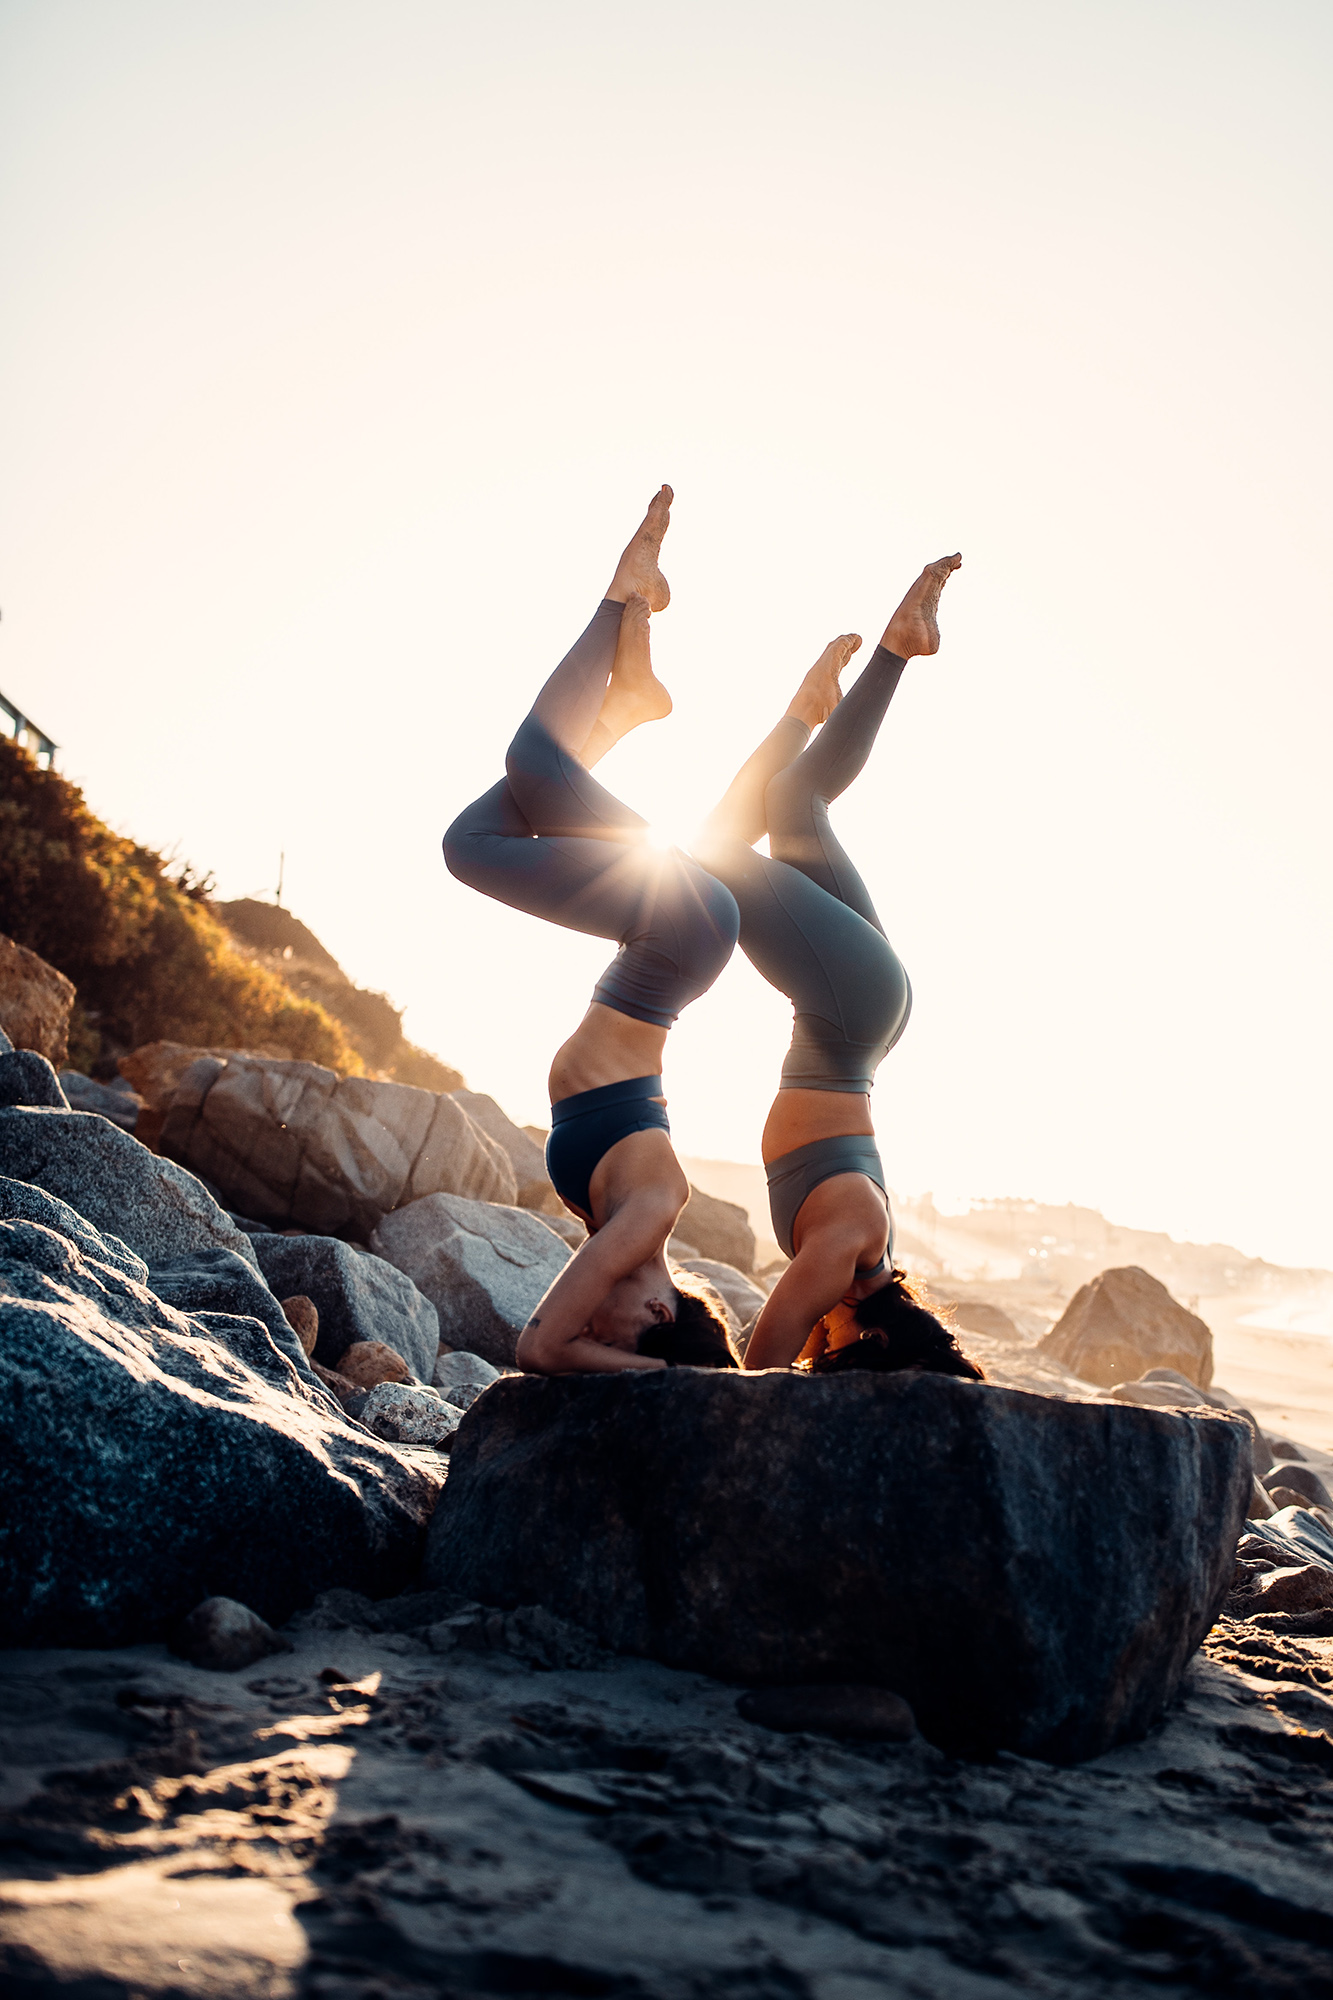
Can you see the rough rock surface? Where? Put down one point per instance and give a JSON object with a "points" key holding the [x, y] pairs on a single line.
{"points": [[150, 1458], [1027, 1574], [290, 1142], [1299, 1478], [1125, 1322], [155, 1069], [526, 1157], [161, 1211], [483, 1267], [120, 1104], [218, 1281], [359, 1297], [406, 1415], [367, 1817], [717, 1229], [461, 1377], [27, 1078], [1167, 1388], [35, 1002]]}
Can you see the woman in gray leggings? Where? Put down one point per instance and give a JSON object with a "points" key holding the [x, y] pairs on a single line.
{"points": [[808, 925]]}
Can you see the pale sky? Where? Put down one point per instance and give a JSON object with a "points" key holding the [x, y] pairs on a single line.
{"points": [[344, 343]]}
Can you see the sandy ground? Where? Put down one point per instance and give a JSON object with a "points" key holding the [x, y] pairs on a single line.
{"points": [[469, 1825]]}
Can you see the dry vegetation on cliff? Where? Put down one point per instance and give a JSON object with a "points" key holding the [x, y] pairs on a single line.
{"points": [[154, 959]]}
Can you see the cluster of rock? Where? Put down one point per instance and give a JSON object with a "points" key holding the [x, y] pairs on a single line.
{"points": [[236, 1364]]}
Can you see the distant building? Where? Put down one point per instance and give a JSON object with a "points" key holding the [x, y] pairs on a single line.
{"points": [[23, 731]]}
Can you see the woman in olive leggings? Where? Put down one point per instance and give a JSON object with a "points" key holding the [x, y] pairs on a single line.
{"points": [[808, 925]]}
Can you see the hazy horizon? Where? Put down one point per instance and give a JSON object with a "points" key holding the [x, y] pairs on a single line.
{"points": [[344, 346]]}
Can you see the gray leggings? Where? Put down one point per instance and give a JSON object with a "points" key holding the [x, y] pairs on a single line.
{"points": [[807, 921], [550, 840]]}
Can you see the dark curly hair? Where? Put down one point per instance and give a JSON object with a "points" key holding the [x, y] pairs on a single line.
{"points": [[900, 1330], [698, 1337]]}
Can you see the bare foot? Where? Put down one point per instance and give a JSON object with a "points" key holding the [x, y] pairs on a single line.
{"points": [[819, 694], [913, 629], [634, 694], [637, 573]]}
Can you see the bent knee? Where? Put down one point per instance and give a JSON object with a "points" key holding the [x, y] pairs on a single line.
{"points": [[713, 925]]}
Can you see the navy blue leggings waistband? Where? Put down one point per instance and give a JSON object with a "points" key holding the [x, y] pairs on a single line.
{"points": [[586, 1126], [583, 1101]]}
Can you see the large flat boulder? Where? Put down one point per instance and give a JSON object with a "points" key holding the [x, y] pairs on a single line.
{"points": [[291, 1142], [525, 1156], [35, 1002], [1029, 1574], [359, 1296], [1122, 1324], [159, 1209], [482, 1266], [719, 1230], [150, 1458]]}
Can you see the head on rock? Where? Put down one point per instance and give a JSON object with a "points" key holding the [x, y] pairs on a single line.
{"points": [[894, 1328], [698, 1336], [672, 1321]]}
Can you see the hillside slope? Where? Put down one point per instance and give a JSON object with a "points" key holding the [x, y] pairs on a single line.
{"points": [[154, 959]]}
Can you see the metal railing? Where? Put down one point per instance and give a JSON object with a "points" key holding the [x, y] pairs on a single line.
{"points": [[21, 729]]}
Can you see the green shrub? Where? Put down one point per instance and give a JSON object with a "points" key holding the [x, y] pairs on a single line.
{"points": [[150, 961]]}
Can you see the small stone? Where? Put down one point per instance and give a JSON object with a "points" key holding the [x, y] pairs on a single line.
{"points": [[367, 1362], [842, 1822], [462, 1377], [1303, 1587], [1285, 1496], [867, 1714], [1261, 1507], [224, 1636], [359, 1297], [1300, 1480], [303, 1317], [402, 1414], [1283, 1448], [351, 1398]]}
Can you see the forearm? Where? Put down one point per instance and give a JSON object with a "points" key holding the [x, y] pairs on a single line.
{"points": [[810, 1286], [779, 1336], [581, 1356]]}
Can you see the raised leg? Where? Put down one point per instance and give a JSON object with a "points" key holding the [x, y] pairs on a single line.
{"points": [[797, 799], [635, 694], [740, 813]]}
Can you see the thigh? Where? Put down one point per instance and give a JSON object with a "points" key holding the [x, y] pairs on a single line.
{"points": [[807, 942], [599, 887], [558, 795]]}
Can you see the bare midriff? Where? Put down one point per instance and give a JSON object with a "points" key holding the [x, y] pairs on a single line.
{"points": [[606, 1047], [800, 1117]]}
